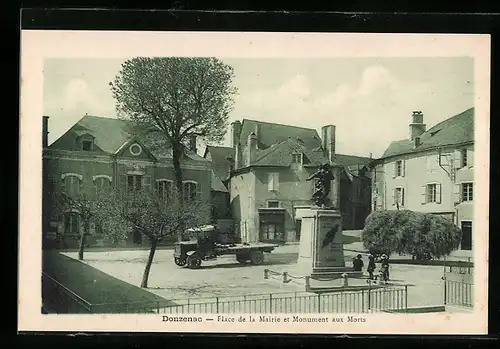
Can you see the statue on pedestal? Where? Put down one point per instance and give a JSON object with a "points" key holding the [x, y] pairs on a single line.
{"points": [[324, 178]]}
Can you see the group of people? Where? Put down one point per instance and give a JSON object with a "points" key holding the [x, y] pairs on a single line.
{"points": [[383, 274]]}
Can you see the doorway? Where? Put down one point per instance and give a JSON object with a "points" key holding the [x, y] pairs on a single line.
{"points": [[466, 243]]}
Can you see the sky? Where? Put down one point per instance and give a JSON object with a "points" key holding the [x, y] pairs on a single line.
{"points": [[369, 100]]}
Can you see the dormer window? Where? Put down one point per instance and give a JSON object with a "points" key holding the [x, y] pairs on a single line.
{"points": [[297, 158], [87, 145]]}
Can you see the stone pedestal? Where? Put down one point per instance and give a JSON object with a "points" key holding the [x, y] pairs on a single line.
{"points": [[321, 252]]}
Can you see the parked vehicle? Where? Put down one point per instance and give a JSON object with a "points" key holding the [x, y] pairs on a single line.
{"points": [[206, 247]]}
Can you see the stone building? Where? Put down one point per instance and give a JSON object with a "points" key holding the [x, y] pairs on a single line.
{"points": [[97, 154], [431, 171], [267, 172]]}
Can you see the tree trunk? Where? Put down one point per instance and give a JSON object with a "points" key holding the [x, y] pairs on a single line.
{"points": [[144, 283], [82, 246], [177, 152], [82, 240]]}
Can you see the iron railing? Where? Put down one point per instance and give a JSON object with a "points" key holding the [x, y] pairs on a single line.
{"points": [[458, 293], [60, 299], [364, 301]]}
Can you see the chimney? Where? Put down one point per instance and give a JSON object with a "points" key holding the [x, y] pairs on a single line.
{"points": [[251, 148], [257, 134], [417, 126], [192, 143], [45, 130], [328, 141], [237, 156], [235, 133]]}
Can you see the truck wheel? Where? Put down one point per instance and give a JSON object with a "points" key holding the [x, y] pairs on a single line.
{"points": [[257, 257], [242, 258], [193, 261], [180, 261]]}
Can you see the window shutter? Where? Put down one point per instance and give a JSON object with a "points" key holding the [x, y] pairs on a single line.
{"points": [[276, 180], [403, 163], [270, 179], [123, 183], [402, 196], [394, 197], [457, 192], [424, 194], [457, 159], [199, 192], [438, 193], [395, 169], [470, 157]]}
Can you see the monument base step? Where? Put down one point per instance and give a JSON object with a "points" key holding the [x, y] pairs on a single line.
{"points": [[335, 273]]}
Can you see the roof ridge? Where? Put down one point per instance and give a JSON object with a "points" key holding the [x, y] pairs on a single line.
{"points": [[275, 123]]}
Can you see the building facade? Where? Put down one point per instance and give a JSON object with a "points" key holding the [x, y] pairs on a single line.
{"points": [[268, 182], [97, 154], [432, 171]]}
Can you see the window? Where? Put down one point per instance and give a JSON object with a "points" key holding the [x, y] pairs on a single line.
{"points": [[431, 192], [134, 183], [87, 145], [466, 243], [190, 191], [297, 158], [271, 232], [273, 181], [467, 189], [135, 149], [165, 188], [399, 170], [102, 184], [72, 183], [399, 196], [464, 158], [273, 204], [71, 223]]}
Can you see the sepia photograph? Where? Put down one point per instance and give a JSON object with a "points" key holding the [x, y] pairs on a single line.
{"points": [[263, 189]]}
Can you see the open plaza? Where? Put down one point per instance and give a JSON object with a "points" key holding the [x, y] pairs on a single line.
{"points": [[227, 280]]}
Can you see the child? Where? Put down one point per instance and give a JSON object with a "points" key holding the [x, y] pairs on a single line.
{"points": [[384, 270], [371, 265]]}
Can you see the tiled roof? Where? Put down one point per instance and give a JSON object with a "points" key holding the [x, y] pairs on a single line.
{"points": [[217, 184], [271, 133], [352, 160], [456, 130], [219, 157], [109, 135], [281, 154]]}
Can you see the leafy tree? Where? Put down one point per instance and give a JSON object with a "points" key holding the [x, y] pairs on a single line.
{"points": [[421, 235], [155, 217], [169, 100]]}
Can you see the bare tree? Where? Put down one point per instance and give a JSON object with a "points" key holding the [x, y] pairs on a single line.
{"points": [[89, 209], [168, 101], [153, 216]]}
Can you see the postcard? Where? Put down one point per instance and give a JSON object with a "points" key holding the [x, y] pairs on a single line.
{"points": [[254, 182]]}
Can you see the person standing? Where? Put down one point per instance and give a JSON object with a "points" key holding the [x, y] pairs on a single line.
{"points": [[371, 266], [385, 267], [357, 263]]}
